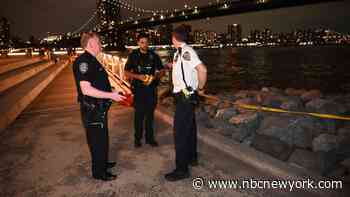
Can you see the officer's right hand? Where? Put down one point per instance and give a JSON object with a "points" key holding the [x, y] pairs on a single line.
{"points": [[169, 65], [116, 96]]}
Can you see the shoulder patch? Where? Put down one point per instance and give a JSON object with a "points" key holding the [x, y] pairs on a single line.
{"points": [[83, 67], [187, 56]]}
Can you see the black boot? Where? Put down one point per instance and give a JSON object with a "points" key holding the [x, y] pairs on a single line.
{"points": [[106, 177], [137, 144], [111, 164], [152, 143], [177, 175]]}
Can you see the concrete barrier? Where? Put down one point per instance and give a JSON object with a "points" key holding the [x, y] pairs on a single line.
{"points": [[10, 113], [18, 64], [8, 80]]}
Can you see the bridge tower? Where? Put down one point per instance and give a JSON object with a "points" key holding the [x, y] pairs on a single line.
{"points": [[109, 14]]}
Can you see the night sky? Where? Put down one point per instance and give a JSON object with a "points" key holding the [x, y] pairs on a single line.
{"points": [[36, 17]]}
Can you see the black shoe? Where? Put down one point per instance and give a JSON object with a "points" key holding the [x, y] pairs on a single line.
{"points": [[194, 163], [106, 177], [153, 143], [177, 175], [111, 164], [137, 144]]}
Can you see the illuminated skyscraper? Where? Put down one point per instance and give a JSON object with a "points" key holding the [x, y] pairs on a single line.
{"points": [[4, 33], [108, 12], [235, 33]]}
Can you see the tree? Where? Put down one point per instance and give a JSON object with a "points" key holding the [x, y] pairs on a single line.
{"points": [[33, 42], [17, 42]]}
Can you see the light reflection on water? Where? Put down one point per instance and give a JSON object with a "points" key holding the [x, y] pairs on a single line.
{"points": [[325, 68]]}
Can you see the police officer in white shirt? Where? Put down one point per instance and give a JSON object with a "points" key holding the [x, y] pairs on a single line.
{"points": [[189, 76]]}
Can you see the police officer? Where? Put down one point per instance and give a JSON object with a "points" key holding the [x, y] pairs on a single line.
{"points": [[94, 95], [145, 68], [189, 76]]}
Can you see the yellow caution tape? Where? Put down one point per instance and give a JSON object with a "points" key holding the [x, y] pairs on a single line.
{"points": [[269, 109]]}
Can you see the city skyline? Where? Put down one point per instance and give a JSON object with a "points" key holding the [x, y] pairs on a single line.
{"points": [[312, 16]]}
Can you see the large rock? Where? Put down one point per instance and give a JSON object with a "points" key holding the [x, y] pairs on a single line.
{"points": [[337, 173], [325, 142], [344, 131], [248, 101], [273, 90], [246, 123], [245, 101], [224, 104], [222, 124], [332, 159], [248, 140], [315, 104], [270, 99], [272, 146], [310, 95], [203, 118], [228, 96], [325, 107], [319, 125], [307, 159], [292, 104], [288, 129], [226, 113], [242, 94], [211, 110], [265, 89], [294, 92], [343, 150], [346, 163], [276, 90], [345, 102]]}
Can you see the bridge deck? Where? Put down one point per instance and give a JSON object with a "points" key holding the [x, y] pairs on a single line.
{"points": [[44, 153]]}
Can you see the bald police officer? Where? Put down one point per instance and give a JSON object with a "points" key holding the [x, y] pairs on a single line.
{"points": [[145, 68], [95, 95], [189, 76]]}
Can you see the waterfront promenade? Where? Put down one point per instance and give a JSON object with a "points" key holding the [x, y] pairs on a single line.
{"points": [[44, 153]]}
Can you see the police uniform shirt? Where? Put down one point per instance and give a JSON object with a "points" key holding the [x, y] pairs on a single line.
{"points": [[190, 60], [87, 68], [143, 63]]}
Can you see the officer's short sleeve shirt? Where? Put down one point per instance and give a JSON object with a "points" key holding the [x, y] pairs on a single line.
{"points": [[87, 68], [190, 60], [130, 64], [84, 70]]}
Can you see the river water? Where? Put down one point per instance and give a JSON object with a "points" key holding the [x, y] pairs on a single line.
{"points": [[326, 68]]}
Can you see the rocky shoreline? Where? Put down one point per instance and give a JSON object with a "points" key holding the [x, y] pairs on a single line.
{"points": [[319, 145]]}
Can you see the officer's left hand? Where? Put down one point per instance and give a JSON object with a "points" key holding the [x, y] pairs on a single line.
{"points": [[169, 65], [201, 92], [160, 74]]}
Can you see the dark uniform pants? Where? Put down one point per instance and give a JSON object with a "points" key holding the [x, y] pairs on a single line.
{"points": [[145, 100], [185, 133], [98, 141]]}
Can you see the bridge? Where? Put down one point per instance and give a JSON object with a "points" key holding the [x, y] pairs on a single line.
{"points": [[116, 27], [44, 153]]}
